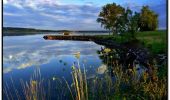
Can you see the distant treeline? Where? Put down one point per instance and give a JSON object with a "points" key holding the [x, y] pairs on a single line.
{"points": [[12, 31]]}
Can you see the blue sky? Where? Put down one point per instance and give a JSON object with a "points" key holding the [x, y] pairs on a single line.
{"points": [[68, 14]]}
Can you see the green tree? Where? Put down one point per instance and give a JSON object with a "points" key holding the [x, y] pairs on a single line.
{"points": [[148, 19], [118, 19], [128, 23], [132, 22], [134, 25], [109, 16]]}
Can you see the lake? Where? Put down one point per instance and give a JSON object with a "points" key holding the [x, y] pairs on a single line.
{"points": [[22, 55], [30, 59]]}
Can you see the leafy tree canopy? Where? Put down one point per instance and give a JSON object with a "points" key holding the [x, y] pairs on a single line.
{"points": [[109, 15], [120, 20], [148, 19]]}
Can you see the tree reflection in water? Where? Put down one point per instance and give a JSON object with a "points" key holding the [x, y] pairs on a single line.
{"points": [[126, 59]]}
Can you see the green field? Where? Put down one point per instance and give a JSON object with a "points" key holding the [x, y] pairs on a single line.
{"points": [[155, 41]]}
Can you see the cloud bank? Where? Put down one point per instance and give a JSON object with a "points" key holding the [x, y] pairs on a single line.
{"points": [[64, 14]]}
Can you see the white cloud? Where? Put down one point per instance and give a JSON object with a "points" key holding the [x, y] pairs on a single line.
{"points": [[15, 3], [34, 4], [58, 17], [5, 1], [89, 21], [11, 14], [50, 14]]}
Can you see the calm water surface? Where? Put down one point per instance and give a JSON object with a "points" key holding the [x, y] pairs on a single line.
{"points": [[22, 54]]}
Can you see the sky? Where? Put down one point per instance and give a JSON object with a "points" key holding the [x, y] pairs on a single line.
{"points": [[69, 14]]}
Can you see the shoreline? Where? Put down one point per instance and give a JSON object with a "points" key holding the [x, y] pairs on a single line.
{"points": [[132, 47], [107, 43]]}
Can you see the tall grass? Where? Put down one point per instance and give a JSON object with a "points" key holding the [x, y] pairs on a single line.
{"points": [[124, 84], [31, 90]]}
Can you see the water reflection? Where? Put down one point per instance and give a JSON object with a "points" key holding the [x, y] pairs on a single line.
{"points": [[118, 57], [20, 52], [23, 54], [102, 69]]}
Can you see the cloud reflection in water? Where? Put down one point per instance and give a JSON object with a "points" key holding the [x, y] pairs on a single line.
{"points": [[26, 51]]}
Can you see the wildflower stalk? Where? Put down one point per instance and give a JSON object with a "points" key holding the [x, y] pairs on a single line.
{"points": [[85, 80], [69, 88]]}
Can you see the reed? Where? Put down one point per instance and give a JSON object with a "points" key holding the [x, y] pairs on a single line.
{"points": [[124, 84]]}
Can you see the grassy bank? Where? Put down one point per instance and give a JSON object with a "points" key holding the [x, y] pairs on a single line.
{"points": [[155, 41]]}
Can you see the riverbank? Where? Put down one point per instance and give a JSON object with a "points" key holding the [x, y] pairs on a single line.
{"points": [[155, 41], [146, 47]]}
